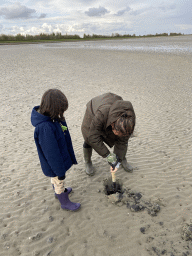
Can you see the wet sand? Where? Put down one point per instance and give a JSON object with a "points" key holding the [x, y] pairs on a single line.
{"points": [[159, 87]]}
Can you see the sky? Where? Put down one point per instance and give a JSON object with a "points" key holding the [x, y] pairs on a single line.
{"points": [[101, 17]]}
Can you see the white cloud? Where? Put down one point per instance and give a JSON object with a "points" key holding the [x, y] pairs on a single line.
{"points": [[16, 11], [47, 28]]}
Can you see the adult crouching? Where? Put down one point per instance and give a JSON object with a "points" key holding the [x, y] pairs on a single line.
{"points": [[108, 120]]}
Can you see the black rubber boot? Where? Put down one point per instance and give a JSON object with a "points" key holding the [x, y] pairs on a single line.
{"points": [[88, 164], [126, 166]]}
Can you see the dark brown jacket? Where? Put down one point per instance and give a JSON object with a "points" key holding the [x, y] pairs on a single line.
{"points": [[101, 112]]}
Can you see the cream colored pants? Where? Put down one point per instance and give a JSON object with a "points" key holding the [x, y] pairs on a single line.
{"points": [[58, 185]]}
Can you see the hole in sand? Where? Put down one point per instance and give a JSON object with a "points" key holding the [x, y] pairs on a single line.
{"points": [[112, 187]]}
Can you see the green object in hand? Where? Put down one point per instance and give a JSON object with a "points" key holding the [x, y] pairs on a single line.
{"points": [[64, 128], [111, 158]]}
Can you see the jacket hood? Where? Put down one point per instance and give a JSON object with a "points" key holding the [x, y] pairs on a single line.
{"points": [[37, 118], [118, 108]]}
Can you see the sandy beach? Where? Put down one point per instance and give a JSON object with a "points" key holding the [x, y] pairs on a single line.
{"points": [[159, 85]]}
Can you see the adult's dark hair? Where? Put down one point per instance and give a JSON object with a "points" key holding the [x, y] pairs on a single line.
{"points": [[53, 103], [126, 123]]}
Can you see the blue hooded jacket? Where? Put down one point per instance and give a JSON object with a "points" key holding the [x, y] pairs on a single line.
{"points": [[54, 146]]}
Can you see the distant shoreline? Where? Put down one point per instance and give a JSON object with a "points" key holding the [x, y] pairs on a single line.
{"points": [[81, 39]]}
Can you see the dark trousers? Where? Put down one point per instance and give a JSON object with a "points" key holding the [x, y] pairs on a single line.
{"points": [[85, 145]]}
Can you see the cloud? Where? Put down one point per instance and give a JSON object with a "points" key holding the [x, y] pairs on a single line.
{"points": [[103, 27], [167, 7], [96, 11], [153, 10], [43, 15], [184, 13], [121, 12], [184, 26], [16, 11], [86, 1], [137, 12], [99, 17]]}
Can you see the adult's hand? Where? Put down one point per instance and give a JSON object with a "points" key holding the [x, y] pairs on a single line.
{"points": [[111, 158], [113, 170]]}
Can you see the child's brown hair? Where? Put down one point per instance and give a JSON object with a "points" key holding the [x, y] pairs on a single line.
{"points": [[54, 103]]}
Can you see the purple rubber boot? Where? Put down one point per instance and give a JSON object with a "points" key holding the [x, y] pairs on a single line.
{"points": [[66, 204], [68, 191]]}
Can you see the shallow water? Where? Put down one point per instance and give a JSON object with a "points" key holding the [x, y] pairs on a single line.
{"points": [[176, 44]]}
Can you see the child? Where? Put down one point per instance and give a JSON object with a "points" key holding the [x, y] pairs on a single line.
{"points": [[54, 144]]}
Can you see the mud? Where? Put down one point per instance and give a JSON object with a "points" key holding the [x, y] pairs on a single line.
{"points": [[187, 232], [112, 187], [133, 200]]}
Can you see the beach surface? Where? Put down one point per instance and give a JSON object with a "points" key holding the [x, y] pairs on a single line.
{"points": [[159, 85]]}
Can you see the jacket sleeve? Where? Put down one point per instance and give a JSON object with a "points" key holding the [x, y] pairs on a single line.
{"points": [[121, 145], [50, 148], [95, 135]]}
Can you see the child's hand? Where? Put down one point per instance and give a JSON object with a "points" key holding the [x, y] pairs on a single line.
{"points": [[113, 170]]}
